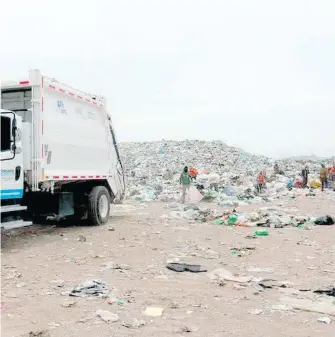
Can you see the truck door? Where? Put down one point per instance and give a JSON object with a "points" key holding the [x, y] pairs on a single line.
{"points": [[12, 174]]}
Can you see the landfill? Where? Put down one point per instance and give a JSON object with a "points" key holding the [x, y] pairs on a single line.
{"points": [[250, 262], [227, 175]]}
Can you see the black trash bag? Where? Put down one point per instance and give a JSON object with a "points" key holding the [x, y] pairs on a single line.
{"points": [[200, 187], [329, 292], [324, 220]]}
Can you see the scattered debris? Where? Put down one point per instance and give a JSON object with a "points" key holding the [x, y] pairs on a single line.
{"points": [[107, 316], [42, 333], [186, 328], [114, 266], [181, 267], [89, 288], [133, 323], [255, 311], [329, 292], [222, 274], [307, 243], [69, 304], [325, 220], [323, 306], [325, 320], [280, 307], [82, 238], [261, 232], [113, 300], [242, 251], [226, 178], [153, 311], [269, 284], [174, 305]]}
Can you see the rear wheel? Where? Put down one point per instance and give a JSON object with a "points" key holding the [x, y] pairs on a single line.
{"points": [[98, 205]]}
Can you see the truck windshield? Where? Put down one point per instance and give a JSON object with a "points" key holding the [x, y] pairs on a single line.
{"points": [[5, 133]]}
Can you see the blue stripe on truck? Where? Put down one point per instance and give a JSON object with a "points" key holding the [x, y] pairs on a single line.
{"points": [[11, 194]]}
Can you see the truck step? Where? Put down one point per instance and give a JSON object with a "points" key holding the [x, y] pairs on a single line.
{"points": [[15, 224], [12, 208]]}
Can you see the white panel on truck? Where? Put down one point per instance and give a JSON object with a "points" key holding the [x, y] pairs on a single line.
{"points": [[75, 139]]}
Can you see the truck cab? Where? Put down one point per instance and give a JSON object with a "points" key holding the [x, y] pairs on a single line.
{"points": [[12, 170]]}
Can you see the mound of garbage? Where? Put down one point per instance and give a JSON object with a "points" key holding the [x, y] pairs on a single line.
{"points": [[226, 174]]}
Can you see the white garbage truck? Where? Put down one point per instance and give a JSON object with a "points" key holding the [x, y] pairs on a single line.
{"points": [[59, 155]]}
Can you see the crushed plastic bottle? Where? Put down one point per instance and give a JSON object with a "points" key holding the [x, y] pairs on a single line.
{"points": [[236, 252], [217, 221], [261, 232], [232, 219], [116, 300]]}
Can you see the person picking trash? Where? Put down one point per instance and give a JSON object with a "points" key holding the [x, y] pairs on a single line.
{"points": [[323, 176], [305, 173], [185, 181], [260, 182]]}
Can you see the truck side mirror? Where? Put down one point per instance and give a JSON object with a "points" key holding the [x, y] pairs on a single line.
{"points": [[14, 127]]}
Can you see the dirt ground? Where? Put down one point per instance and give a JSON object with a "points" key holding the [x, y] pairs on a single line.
{"points": [[40, 264]]}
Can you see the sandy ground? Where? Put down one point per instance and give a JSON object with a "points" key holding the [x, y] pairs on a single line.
{"points": [[143, 240]]}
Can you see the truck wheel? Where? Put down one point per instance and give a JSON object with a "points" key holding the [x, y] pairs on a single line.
{"points": [[98, 205]]}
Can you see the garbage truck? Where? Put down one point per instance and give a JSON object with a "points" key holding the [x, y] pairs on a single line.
{"points": [[59, 154]]}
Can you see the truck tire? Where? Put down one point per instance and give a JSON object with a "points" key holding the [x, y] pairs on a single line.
{"points": [[98, 205]]}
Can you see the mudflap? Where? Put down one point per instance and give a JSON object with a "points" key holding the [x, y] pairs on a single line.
{"points": [[44, 204], [65, 206]]}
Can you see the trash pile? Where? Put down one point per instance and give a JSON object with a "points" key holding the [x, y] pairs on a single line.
{"points": [[271, 217], [153, 169], [268, 217], [226, 175]]}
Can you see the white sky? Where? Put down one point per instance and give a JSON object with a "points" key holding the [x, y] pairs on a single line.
{"points": [[256, 74]]}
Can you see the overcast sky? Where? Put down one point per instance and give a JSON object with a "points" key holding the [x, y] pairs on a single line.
{"points": [[256, 74]]}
